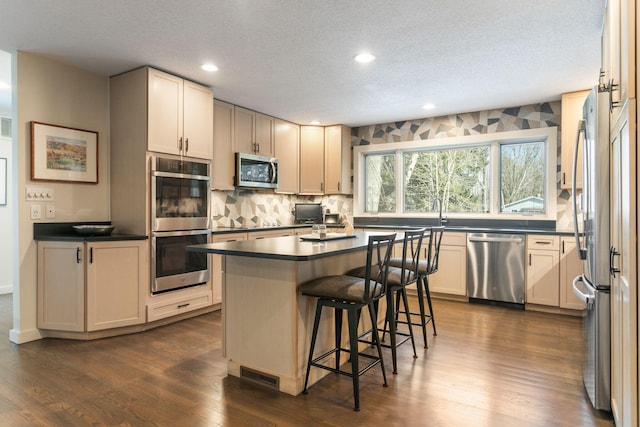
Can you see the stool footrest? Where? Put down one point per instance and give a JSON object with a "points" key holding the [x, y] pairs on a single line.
{"points": [[374, 361]]}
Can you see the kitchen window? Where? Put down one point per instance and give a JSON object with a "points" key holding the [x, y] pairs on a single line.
{"points": [[498, 175]]}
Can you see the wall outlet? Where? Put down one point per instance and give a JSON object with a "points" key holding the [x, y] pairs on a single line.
{"points": [[36, 212], [51, 211]]}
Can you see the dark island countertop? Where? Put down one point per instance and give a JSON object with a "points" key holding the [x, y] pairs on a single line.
{"points": [[288, 248]]}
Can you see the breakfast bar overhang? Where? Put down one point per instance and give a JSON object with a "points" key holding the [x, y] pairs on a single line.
{"points": [[267, 323]]}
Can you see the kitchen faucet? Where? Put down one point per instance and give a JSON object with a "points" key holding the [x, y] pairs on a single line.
{"points": [[433, 205]]}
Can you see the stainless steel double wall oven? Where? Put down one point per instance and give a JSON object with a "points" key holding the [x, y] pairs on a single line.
{"points": [[180, 191]]}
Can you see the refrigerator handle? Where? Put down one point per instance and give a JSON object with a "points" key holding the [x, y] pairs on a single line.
{"points": [[613, 252], [586, 298], [582, 252]]}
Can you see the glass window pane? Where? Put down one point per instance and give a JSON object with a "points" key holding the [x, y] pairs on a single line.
{"points": [[459, 177], [380, 183], [522, 177]]}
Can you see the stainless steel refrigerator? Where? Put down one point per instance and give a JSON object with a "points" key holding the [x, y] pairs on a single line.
{"points": [[592, 236]]}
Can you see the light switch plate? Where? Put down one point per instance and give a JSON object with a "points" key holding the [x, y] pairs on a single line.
{"points": [[51, 211], [36, 211]]}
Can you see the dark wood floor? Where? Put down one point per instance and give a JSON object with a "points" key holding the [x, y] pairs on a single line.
{"points": [[488, 366]]}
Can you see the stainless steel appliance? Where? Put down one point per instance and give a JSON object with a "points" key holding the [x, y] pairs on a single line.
{"points": [[180, 192], [173, 266], [307, 213], [592, 237], [495, 268], [255, 171]]}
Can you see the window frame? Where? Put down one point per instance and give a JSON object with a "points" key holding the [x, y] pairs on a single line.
{"points": [[548, 135]]}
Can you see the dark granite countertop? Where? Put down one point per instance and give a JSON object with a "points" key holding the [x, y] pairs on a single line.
{"points": [[64, 232], [288, 248]]}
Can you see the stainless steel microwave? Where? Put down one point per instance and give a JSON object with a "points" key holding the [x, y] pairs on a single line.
{"points": [[254, 171]]}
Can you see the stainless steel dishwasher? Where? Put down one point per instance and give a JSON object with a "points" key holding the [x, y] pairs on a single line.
{"points": [[495, 268]]}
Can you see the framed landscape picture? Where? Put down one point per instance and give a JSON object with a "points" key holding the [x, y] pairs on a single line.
{"points": [[63, 154]]}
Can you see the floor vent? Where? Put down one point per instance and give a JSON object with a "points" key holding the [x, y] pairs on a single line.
{"points": [[258, 377]]}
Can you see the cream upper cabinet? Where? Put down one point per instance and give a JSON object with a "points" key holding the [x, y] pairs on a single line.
{"points": [[286, 150], [619, 53], [451, 277], [311, 160], [253, 132], [570, 267], [543, 270], [180, 116], [571, 113], [337, 160], [91, 286], [224, 169]]}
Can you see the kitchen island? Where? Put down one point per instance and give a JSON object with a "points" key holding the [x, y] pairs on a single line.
{"points": [[267, 323]]}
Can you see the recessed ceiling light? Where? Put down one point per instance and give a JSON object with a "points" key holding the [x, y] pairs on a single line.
{"points": [[209, 67], [364, 57], [314, 122], [4, 85], [428, 106]]}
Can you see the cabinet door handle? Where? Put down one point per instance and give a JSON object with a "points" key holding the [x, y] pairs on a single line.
{"points": [[90, 255], [540, 242], [78, 257], [613, 252], [529, 259], [183, 305], [338, 185], [180, 144], [563, 246], [258, 147], [322, 186], [186, 144], [564, 178]]}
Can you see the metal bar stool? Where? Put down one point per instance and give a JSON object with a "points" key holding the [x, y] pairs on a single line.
{"points": [[344, 292], [426, 267], [397, 281]]}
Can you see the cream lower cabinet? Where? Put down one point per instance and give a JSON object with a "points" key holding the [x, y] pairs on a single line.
{"points": [[570, 267], [91, 286], [552, 264], [543, 270], [451, 277], [216, 263]]}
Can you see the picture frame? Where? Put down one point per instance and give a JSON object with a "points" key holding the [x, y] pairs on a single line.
{"points": [[63, 154], [3, 181]]}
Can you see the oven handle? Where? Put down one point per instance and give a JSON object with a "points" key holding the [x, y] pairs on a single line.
{"points": [[179, 233], [180, 175]]}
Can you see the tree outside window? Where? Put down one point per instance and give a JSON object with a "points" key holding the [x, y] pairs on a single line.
{"points": [[522, 177]]}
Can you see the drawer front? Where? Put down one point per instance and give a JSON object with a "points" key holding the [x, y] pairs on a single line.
{"points": [[172, 308], [454, 239], [550, 243]]}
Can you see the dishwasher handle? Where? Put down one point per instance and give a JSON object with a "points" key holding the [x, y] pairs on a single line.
{"points": [[476, 238]]}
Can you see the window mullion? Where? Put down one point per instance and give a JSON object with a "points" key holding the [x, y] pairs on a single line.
{"points": [[399, 160]]}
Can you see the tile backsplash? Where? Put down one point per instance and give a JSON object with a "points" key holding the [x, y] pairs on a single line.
{"points": [[250, 208]]}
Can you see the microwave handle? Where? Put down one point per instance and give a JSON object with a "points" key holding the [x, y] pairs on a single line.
{"points": [[273, 171]]}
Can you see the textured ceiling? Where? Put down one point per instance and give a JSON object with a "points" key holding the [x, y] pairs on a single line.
{"points": [[293, 58]]}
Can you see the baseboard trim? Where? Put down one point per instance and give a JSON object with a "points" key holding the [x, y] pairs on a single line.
{"points": [[21, 337]]}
